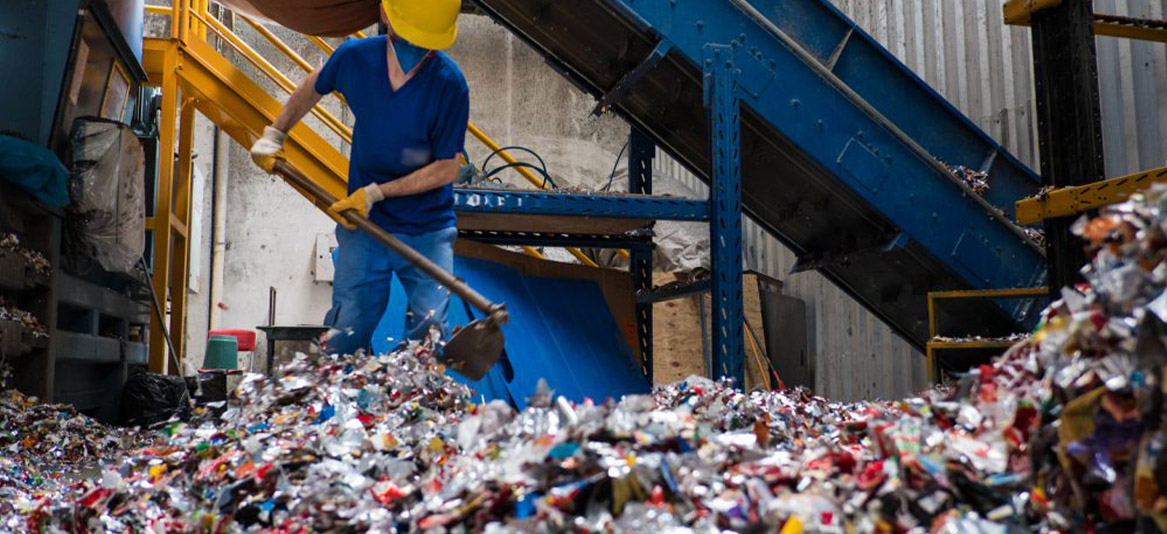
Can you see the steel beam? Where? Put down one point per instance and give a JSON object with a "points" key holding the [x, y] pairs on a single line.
{"points": [[1074, 200], [725, 228], [641, 151], [641, 268], [504, 201], [540, 239], [673, 291], [1022, 12], [1069, 121], [167, 61], [179, 219], [628, 80], [1130, 28]]}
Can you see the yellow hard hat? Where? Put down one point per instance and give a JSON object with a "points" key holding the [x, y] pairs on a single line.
{"points": [[431, 24]]}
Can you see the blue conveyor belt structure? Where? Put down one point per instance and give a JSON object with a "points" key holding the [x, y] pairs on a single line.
{"points": [[844, 152]]}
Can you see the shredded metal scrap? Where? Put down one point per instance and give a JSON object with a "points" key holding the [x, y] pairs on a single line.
{"points": [[1063, 433], [978, 181], [25, 319], [39, 263]]}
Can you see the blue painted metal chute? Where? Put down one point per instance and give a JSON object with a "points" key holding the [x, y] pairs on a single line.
{"points": [[578, 349]]}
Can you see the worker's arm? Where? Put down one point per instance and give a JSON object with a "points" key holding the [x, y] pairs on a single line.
{"points": [[437, 174], [270, 146], [303, 99]]}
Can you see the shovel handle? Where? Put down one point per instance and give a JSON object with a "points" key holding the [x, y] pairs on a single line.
{"points": [[456, 285]]}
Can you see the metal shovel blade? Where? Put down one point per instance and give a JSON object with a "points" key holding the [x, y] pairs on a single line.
{"points": [[474, 349]]}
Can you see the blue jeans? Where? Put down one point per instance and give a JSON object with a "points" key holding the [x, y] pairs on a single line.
{"points": [[364, 272]]}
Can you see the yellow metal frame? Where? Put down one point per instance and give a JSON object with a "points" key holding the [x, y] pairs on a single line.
{"points": [[975, 294], [1073, 200], [115, 68], [1020, 13], [1140, 33]]}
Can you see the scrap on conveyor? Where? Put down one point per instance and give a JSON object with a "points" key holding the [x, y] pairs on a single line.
{"points": [[1063, 433]]}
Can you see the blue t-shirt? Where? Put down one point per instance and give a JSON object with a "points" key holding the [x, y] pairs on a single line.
{"points": [[399, 132]]}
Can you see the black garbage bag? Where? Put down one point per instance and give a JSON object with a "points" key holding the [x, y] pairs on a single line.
{"points": [[151, 398]]}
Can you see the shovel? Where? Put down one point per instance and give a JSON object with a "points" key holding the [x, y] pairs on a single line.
{"points": [[475, 348]]}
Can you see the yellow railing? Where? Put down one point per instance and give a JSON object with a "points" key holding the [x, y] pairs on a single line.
{"points": [[194, 18]]}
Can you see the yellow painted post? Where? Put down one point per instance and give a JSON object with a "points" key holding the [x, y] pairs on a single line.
{"points": [[183, 21], [175, 18], [928, 366], [179, 231], [204, 9], [931, 316], [195, 27], [163, 201]]}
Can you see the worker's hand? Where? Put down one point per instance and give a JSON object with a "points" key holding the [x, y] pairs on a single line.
{"points": [[269, 149], [362, 201]]}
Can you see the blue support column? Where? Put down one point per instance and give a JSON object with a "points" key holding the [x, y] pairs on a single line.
{"points": [[641, 151], [725, 225], [641, 268]]}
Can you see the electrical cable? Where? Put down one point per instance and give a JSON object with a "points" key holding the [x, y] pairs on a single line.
{"points": [[546, 177], [486, 162], [616, 165]]}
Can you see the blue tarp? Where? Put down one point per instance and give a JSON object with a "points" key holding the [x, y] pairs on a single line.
{"points": [[561, 330], [35, 168]]}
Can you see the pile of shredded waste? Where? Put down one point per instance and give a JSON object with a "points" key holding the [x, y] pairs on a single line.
{"points": [[26, 320], [37, 261], [1063, 433], [45, 450]]}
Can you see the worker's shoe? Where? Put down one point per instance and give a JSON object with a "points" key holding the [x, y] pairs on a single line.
{"points": [[361, 200], [430, 24], [269, 149]]}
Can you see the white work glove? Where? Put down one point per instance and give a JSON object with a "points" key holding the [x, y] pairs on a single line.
{"points": [[269, 149], [362, 200]]}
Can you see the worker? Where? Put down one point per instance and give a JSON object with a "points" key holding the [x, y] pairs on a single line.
{"points": [[411, 107]]}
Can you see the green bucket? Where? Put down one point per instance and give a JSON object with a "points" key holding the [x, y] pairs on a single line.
{"points": [[222, 353]]}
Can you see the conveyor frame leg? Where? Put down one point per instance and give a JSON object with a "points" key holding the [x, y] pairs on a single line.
{"points": [[641, 151], [1069, 122], [725, 225]]}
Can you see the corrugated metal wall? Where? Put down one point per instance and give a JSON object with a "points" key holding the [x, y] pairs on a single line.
{"points": [[984, 68]]}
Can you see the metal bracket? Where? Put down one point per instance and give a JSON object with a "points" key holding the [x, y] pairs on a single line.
{"points": [[673, 291], [630, 78], [1020, 12], [1072, 200], [639, 239]]}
